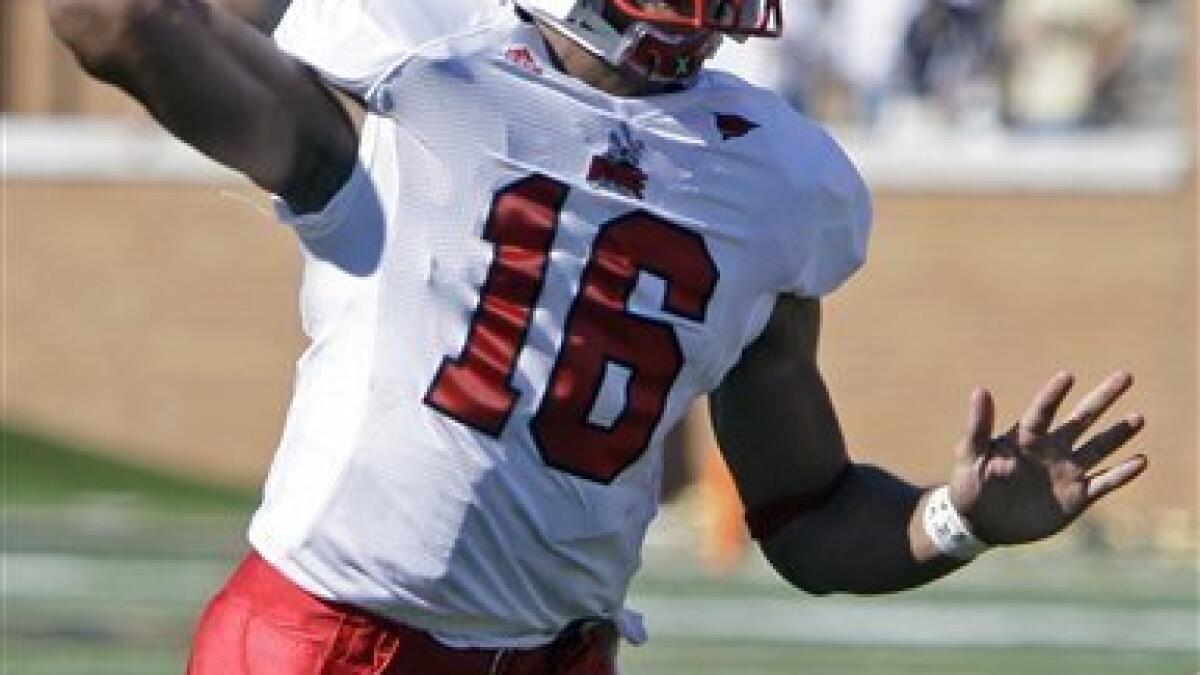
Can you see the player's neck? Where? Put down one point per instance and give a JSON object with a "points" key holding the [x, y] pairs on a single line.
{"points": [[585, 66]]}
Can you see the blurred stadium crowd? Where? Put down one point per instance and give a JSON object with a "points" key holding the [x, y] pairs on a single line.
{"points": [[1023, 65], [1026, 65]]}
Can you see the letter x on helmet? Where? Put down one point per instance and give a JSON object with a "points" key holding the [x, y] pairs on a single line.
{"points": [[660, 40]]}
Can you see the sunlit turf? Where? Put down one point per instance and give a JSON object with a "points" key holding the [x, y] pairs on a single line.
{"points": [[76, 657], [1014, 577], [677, 657], [37, 470], [107, 565]]}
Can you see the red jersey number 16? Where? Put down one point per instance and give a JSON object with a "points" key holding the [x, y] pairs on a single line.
{"points": [[476, 388]]}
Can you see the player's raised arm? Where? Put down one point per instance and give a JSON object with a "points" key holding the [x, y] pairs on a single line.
{"points": [[219, 85], [829, 525]]}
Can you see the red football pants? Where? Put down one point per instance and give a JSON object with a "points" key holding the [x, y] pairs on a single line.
{"points": [[261, 623]]}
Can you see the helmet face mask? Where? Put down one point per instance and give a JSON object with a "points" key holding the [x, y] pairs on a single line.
{"points": [[740, 18], [657, 40]]}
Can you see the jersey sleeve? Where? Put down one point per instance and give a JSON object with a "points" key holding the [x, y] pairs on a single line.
{"points": [[826, 222], [355, 44], [358, 200]]}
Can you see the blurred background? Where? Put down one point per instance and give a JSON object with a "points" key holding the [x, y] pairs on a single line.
{"points": [[1033, 163]]}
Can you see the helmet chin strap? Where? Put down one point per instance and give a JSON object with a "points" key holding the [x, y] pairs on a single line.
{"points": [[660, 56], [640, 49]]}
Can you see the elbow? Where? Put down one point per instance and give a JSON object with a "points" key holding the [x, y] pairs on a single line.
{"points": [[102, 34], [810, 584], [813, 580], [800, 573]]}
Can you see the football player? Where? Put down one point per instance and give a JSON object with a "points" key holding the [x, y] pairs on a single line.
{"points": [[533, 235]]}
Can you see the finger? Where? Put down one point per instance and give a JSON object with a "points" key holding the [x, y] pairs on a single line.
{"points": [[1103, 444], [981, 415], [1040, 414], [1095, 404], [1115, 478]]}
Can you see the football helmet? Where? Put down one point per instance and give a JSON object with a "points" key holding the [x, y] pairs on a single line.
{"points": [[659, 40]]}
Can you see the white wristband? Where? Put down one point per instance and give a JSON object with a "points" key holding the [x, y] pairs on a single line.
{"points": [[946, 527]]}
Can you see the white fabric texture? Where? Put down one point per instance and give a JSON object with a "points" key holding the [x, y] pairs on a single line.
{"points": [[354, 43], [491, 537]]}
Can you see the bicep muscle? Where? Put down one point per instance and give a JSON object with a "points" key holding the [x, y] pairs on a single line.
{"points": [[773, 415]]}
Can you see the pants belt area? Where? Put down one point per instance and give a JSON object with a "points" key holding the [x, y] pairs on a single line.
{"points": [[288, 620], [584, 648]]}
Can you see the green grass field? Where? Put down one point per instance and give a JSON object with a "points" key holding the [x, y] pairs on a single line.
{"points": [[105, 567]]}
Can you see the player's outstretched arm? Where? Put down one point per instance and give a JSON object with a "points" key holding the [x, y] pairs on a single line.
{"points": [[219, 85], [828, 525]]}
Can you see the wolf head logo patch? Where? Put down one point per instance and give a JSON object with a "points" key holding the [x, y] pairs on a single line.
{"points": [[619, 169]]}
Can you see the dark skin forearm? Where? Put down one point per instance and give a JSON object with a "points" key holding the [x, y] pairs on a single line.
{"points": [[862, 529], [866, 538], [780, 434]]}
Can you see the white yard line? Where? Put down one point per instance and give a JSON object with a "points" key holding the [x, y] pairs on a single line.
{"points": [[837, 620], [53, 576], [900, 622]]}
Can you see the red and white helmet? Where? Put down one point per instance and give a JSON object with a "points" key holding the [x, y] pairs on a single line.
{"points": [[662, 40]]}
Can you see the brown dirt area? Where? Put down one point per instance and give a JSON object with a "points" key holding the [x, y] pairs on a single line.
{"points": [[160, 322]]}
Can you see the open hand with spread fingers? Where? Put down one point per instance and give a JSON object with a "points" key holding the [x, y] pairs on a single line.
{"points": [[1034, 480]]}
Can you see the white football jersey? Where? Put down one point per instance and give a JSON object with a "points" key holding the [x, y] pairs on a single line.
{"points": [[518, 293]]}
